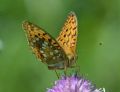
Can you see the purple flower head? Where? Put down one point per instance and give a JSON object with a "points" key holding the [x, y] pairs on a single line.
{"points": [[74, 84]]}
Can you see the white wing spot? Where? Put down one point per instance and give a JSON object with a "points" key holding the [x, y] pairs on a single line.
{"points": [[46, 43], [51, 53], [41, 51], [54, 58], [56, 51], [37, 39], [45, 55]]}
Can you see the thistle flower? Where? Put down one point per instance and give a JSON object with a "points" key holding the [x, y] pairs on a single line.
{"points": [[74, 84]]}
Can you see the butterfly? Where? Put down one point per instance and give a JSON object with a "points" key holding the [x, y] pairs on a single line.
{"points": [[59, 53]]}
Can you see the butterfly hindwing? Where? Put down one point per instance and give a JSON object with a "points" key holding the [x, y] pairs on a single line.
{"points": [[68, 37], [44, 46]]}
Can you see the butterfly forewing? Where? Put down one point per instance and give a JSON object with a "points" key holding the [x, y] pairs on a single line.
{"points": [[68, 37], [45, 47]]}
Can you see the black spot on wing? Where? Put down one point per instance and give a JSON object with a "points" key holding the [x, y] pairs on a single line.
{"points": [[36, 36], [61, 40], [50, 40], [69, 34], [39, 34], [44, 34], [64, 35], [66, 30], [64, 43], [74, 28]]}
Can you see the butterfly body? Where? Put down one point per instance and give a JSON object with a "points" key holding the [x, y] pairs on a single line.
{"points": [[56, 53]]}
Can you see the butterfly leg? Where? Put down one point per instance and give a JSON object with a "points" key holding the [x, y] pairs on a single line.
{"points": [[57, 74], [65, 70], [76, 67]]}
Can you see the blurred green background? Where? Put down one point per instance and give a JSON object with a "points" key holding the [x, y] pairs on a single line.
{"points": [[98, 44]]}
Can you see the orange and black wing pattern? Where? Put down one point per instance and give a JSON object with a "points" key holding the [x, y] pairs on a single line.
{"points": [[44, 46], [68, 36]]}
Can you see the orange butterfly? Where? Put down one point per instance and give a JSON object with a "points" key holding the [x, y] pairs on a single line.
{"points": [[57, 53]]}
